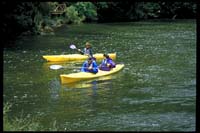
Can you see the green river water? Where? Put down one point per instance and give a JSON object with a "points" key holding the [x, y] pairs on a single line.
{"points": [[155, 91]]}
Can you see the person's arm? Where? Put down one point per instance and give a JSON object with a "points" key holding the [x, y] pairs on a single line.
{"points": [[91, 54], [111, 63], [101, 63], [81, 52], [94, 67], [90, 66]]}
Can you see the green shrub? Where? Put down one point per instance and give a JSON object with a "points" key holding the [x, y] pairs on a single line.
{"points": [[86, 9], [18, 124], [73, 16], [23, 123], [151, 10]]}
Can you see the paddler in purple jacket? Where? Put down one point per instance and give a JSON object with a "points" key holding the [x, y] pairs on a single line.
{"points": [[107, 63]]}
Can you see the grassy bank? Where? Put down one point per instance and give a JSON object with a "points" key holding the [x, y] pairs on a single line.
{"points": [[22, 123]]}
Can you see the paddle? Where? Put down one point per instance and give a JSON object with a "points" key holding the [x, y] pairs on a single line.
{"points": [[72, 46], [56, 67]]}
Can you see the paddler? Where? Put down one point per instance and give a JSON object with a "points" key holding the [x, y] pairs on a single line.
{"points": [[107, 63], [87, 50], [90, 65]]}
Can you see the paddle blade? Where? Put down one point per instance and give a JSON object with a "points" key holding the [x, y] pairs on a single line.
{"points": [[72, 46], [55, 67]]}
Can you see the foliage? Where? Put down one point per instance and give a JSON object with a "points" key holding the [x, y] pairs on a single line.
{"points": [[72, 15], [101, 5], [23, 123], [32, 17], [151, 10], [6, 108], [80, 11], [46, 7], [23, 15], [86, 9], [42, 15], [129, 11], [18, 124], [38, 20], [177, 9]]}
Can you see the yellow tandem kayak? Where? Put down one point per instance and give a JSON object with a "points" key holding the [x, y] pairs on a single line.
{"points": [[75, 57], [74, 77]]}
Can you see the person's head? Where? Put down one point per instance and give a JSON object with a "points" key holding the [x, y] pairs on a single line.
{"points": [[106, 55], [88, 45], [90, 60]]}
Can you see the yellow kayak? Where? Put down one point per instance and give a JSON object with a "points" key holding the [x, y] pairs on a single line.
{"points": [[75, 57], [74, 77]]}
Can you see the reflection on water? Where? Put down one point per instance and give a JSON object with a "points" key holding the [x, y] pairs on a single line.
{"points": [[90, 83], [92, 87], [54, 88]]}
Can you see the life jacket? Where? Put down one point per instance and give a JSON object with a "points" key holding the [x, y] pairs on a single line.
{"points": [[110, 61], [86, 65], [87, 51], [104, 61]]}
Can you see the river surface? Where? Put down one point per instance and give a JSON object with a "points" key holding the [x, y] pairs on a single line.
{"points": [[155, 91]]}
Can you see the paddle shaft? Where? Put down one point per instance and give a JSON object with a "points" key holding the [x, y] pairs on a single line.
{"points": [[56, 67], [80, 51]]}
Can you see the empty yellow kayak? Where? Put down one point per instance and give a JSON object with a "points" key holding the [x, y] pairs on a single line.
{"points": [[74, 57], [74, 77]]}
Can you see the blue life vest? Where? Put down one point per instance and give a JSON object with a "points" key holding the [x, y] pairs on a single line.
{"points": [[85, 66]]}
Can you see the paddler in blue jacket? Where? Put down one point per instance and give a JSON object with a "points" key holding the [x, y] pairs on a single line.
{"points": [[87, 50], [90, 65], [107, 63]]}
